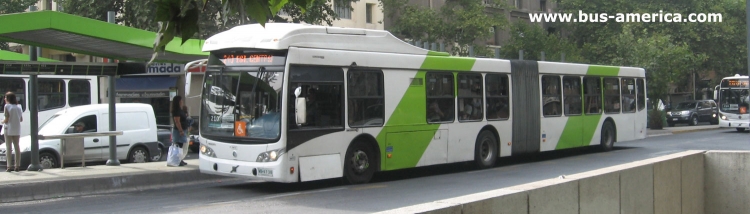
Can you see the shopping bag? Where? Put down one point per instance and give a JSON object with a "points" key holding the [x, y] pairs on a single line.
{"points": [[173, 157]]}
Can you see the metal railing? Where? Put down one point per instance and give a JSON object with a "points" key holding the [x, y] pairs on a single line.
{"points": [[72, 144]]}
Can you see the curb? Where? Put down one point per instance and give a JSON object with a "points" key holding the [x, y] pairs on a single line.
{"points": [[40, 190], [694, 130]]}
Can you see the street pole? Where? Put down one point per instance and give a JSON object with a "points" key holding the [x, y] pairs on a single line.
{"points": [[34, 124], [747, 41], [32, 49], [113, 161]]}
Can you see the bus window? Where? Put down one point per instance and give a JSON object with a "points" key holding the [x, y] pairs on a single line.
{"points": [[470, 102], [611, 95], [498, 107], [572, 93], [51, 94], [323, 89], [79, 92], [592, 90], [366, 98], [15, 85], [628, 95], [440, 101], [641, 94], [551, 104]]}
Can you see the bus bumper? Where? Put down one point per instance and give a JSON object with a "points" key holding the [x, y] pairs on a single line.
{"points": [[734, 123], [268, 171]]}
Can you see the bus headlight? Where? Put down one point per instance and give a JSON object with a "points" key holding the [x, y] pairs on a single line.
{"points": [[270, 156], [207, 151], [722, 116]]}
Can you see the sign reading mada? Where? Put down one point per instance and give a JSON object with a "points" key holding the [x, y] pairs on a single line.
{"points": [[151, 94], [165, 68]]}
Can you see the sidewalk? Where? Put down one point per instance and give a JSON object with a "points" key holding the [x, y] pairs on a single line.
{"points": [[680, 129], [101, 179]]}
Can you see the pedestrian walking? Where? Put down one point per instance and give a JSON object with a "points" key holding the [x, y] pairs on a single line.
{"points": [[12, 130], [179, 137], [189, 129]]}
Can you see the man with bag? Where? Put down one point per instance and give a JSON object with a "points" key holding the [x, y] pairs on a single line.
{"points": [[179, 137]]}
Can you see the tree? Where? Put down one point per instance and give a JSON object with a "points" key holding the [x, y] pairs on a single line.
{"points": [[532, 39], [180, 17], [317, 13], [13, 6], [459, 23]]}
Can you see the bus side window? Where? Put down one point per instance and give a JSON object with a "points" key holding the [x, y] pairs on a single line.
{"points": [[612, 95], [641, 94], [498, 107], [322, 87], [551, 104], [366, 98], [628, 95], [572, 93], [470, 102], [440, 101], [592, 90], [17, 86]]}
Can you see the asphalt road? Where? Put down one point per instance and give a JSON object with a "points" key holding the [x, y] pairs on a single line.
{"points": [[388, 190]]}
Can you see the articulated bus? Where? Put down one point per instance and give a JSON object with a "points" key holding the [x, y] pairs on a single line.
{"points": [[295, 103], [734, 100], [55, 93]]}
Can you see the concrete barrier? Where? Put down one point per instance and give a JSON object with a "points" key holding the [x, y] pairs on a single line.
{"points": [[727, 182], [685, 182]]}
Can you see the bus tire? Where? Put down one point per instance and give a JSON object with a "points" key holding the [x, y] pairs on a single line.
{"points": [[740, 129], [359, 165], [608, 136], [485, 150]]}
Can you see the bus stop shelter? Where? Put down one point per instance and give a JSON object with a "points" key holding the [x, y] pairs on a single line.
{"points": [[61, 31]]}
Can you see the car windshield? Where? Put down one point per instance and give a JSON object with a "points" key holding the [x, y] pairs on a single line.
{"points": [[685, 106], [731, 100], [244, 102]]}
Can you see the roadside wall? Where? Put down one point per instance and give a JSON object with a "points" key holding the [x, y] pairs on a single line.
{"points": [[687, 182]]}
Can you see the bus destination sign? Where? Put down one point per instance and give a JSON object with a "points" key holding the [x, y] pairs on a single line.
{"points": [[251, 59], [742, 83]]}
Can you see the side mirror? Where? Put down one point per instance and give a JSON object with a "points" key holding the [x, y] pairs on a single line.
{"points": [[300, 108]]}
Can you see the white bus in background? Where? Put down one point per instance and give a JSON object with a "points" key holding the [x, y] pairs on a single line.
{"points": [[733, 95], [55, 93], [295, 103]]}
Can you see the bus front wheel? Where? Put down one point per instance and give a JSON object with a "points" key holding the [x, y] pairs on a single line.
{"points": [[485, 150], [359, 163]]}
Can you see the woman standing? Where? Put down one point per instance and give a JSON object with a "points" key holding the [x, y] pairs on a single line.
{"points": [[179, 137], [12, 126]]}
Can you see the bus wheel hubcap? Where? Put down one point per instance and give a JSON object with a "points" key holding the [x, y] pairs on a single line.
{"points": [[359, 161], [486, 151]]}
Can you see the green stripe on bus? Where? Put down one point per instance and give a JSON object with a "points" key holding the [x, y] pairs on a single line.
{"points": [[410, 133], [579, 130]]}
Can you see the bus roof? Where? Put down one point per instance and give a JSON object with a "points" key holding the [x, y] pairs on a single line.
{"points": [[281, 36]]}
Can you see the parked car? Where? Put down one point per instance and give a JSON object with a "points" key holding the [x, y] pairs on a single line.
{"points": [[693, 112], [138, 143]]}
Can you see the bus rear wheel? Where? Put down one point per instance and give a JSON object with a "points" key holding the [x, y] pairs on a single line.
{"points": [[608, 136], [359, 163], [740, 129], [485, 150]]}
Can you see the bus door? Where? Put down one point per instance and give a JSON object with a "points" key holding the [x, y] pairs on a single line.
{"points": [[572, 135], [592, 108]]}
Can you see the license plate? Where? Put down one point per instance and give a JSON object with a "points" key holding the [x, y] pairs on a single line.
{"points": [[2, 158], [674, 119], [265, 172]]}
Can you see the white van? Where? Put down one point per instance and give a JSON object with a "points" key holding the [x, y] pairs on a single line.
{"points": [[137, 144]]}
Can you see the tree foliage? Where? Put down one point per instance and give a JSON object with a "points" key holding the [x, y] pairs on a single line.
{"points": [[459, 23], [532, 39], [13, 6]]}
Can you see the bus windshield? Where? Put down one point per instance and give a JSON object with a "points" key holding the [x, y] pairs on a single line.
{"points": [[731, 100], [243, 102]]}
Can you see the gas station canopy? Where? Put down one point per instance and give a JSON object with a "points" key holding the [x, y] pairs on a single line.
{"points": [[61, 31]]}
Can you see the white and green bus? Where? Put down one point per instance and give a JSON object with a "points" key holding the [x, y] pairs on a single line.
{"points": [[294, 103], [733, 95]]}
